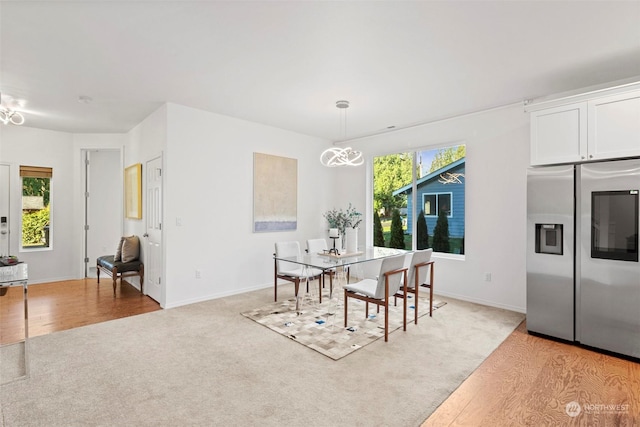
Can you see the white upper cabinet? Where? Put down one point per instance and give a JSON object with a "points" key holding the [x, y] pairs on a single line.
{"points": [[614, 126], [595, 128], [559, 135]]}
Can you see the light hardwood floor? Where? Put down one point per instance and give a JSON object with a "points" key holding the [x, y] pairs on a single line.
{"points": [[64, 305], [526, 381]]}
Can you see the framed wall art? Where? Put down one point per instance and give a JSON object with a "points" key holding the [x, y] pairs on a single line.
{"points": [[275, 193], [133, 191]]}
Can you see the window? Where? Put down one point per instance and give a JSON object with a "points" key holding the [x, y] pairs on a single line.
{"points": [[434, 203], [437, 177], [36, 206]]}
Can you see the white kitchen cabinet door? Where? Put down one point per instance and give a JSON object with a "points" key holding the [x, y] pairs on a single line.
{"points": [[614, 126], [559, 134]]}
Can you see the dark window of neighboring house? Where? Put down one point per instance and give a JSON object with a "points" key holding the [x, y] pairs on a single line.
{"points": [[430, 205], [434, 203]]}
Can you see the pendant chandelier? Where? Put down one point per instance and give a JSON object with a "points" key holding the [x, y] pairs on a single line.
{"points": [[336, 156], [7, 115]]}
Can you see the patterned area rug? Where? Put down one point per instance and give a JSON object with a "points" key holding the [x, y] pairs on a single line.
{"points": [[321, 326]]}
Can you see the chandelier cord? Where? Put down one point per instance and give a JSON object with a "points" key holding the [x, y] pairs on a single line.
{"points": [[336, 156]]}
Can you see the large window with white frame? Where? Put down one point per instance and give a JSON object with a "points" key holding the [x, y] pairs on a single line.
{"points": [[419, 199]]}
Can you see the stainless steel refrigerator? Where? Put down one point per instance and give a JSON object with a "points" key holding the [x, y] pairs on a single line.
{"points": [[583, 272]]}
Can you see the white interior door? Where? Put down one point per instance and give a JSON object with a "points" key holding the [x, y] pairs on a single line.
{"points": [[153, 265], [4, 210], [103, 196]]}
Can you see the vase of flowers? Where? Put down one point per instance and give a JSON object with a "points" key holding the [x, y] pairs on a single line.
{"points": [[343, 220]]}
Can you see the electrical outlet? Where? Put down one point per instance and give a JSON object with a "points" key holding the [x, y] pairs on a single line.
{"points": [[487, 277], [198, 274]]}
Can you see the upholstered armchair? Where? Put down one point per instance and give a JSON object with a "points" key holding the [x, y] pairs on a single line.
{"points": [[124, 263]]}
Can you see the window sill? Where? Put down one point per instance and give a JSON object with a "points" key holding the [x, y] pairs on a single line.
{"points": [[443, 255]]}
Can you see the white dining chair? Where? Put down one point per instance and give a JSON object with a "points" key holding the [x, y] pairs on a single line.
{"points": [[319, 246], [291, 271], [419, 265], [378, 291]]}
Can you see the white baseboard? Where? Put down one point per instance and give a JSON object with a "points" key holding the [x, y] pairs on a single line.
{"points": [[484, 302], [218, 295]]}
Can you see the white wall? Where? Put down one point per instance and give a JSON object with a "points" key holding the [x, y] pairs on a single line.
{"points": [[495, 236], [36, 147], [61, 151], [145, 142], [209, 186]]}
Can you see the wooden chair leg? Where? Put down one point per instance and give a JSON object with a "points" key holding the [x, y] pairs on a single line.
{"points": [[114, 274], [386, 319], [431, 300], [141, 271], [404, 312], [415, 305]]}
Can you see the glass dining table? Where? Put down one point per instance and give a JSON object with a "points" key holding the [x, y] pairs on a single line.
{"points": [[329, 261]]}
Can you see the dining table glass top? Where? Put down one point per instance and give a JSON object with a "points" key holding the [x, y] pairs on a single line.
{"points": [[326, 261]]}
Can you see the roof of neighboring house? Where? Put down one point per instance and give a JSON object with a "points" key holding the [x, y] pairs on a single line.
{"points": [[431, 176]]}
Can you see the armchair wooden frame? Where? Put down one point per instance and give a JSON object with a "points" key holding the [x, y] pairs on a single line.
{"points": [[296, 281], [385, 302], [119, 270], [416, 289]]}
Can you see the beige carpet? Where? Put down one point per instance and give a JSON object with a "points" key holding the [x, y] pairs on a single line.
{"points": [[206, 365], [320, 326]]}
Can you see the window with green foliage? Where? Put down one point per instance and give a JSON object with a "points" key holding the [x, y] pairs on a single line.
{"points": [[36, 206], [438, 217]]}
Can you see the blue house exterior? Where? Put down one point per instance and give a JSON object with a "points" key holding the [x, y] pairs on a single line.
{"points": [[434, 195]]}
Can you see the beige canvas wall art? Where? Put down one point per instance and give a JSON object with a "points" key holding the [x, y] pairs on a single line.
{"points": [[275, 193]]}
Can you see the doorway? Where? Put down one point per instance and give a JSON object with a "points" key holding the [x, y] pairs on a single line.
{"points": [[103, 205]]}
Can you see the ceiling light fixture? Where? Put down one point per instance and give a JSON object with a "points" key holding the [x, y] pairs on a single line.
{"points": [[336, 156], [7, 115]]}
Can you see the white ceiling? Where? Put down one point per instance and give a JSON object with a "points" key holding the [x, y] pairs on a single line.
{"points": [[285, 64]]}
